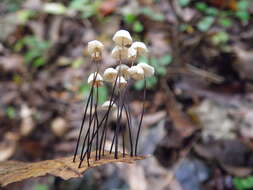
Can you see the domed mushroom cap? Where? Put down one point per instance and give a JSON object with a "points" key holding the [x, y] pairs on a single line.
{"points": [[123, 70], [106, 105], [95, 48], [148, 70], [95, 79], [119, 52], [122, 38], [110, 74], [136, 72], [140, 47], [132, 53], [121, 82]]}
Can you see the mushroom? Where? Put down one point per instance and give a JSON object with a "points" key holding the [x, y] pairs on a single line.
{"points": [[106, 104], [95, 48], [95, 79], [110, 74], [122, 38], [136, 72], [119, 52], [140, 47], [148, 70], [123, 70]]}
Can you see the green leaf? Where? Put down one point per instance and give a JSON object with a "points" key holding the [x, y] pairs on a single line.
{"points": [[78, 4], [161, 71], [11, 112], [40, 61], [220, 38], [84, 89], [143, 59], [30, 55], [243, 16], [201, 6], [243, 183], [151, 82], [154, 62], [211, 11], [243, 5], [165, 60], [25, 15], [158, 17], [89, 11], [204, 24], [102, 94], [184, 3], [77, 63], [129, 18], [183, 27], [137, 27], [54, 8], [139, 85], [41, 187], [152, 14], [226, 22]]}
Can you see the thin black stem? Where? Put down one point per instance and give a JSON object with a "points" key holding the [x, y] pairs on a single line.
{"points": [[139, 127], [82, 125], [123, 144], [103, 137], [112, 142], [117, 129], [87, 137], [129, 123], [100, 124], [96, 115]]}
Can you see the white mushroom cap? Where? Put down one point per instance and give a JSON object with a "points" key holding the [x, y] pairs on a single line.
{"points": [[148, 70], [119, 52], [140, 47], [122, 38], [123, 70], [95, 48], [98, 79], [106, 104], [110, 74], [121, 82], [132, 53], [136, 72]]}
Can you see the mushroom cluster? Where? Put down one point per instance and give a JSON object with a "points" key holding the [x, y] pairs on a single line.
{"points": [[126, 53]]}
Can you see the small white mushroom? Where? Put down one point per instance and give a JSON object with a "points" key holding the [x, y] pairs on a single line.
{"points": [[110, 74], [148, 70], [95, 48], [122, 38], [123, 70], [106, 104], [121, 82], [136, 72], [98, 79], [132, 54], [119, 52], [140, 47], [59, 127]]}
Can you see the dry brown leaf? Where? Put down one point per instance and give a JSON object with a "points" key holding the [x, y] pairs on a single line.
{"points": [[14, 171]]}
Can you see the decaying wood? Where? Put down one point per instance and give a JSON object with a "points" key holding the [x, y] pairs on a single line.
{"points": [[14, 171]]}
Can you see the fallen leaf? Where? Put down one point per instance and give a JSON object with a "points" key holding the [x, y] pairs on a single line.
{"points": [[225, 153], [108, 7], [227, 4], [14, 171]]}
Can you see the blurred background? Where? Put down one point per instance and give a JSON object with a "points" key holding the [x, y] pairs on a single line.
{"points": [[198, 122]]}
